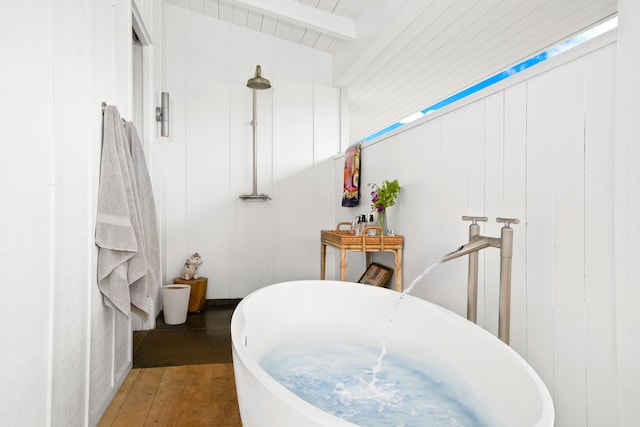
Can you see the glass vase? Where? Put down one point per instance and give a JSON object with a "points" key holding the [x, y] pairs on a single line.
{"points": [[382, 221]]}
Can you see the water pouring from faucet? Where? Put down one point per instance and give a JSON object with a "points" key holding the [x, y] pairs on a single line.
{"points": [[394, 314], [476, 244]]}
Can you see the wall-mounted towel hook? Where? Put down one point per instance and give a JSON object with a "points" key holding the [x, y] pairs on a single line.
{"points": [[104, 107]]}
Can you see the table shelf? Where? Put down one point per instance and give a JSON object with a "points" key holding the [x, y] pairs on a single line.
{"points": [[346, 242]]}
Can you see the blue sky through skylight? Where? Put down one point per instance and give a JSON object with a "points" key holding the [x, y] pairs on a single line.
{"points": [[549, 53]]}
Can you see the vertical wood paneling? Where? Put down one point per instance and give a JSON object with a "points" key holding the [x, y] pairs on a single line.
{"points": [[546, 149], [600, 348], [515, 185], [293, 164], [122, 332], [109, 34], [409, 149], [174, 185], [626, 207], [65, 360], [250, 221], [245, 245], [73, 192], [326, 129], [252, 263], [564, 96], [101, 325], [28, 232], [101, 355], [208, 151], [494, 161], [122, 347], [420, 202], [462, 192], [539, 237]]}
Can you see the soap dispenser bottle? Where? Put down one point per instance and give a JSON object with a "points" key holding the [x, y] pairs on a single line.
{"points": [[362, 223]]}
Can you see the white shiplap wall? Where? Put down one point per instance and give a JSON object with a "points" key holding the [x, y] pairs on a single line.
{"points": [[65, 352], [540, 148], [245, 245], [627, 205]]}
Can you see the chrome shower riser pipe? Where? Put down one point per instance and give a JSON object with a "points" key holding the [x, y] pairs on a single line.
{"points": [[254, 124]]}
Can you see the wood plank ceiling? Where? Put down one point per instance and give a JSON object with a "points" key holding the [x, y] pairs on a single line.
{"points": [[399, 56]]}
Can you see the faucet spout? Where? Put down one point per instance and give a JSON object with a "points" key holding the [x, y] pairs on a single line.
{"points": [[475, 245]]}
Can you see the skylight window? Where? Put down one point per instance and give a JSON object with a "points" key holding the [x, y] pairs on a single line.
{"points": [[549, 53]]}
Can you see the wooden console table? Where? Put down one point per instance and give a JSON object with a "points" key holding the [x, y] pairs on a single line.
{"points": [[347, 242]]}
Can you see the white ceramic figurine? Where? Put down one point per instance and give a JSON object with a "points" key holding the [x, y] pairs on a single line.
{"points": [[190, 269]]}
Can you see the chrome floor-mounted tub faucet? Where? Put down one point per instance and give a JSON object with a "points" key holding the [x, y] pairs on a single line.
{"points": [[476, 244]]}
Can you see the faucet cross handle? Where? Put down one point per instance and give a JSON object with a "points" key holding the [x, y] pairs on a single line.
{"points": [[474, 219], [508, 221]]}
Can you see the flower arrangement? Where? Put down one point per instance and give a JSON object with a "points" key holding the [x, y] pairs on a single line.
{"points": [[385, 195]]}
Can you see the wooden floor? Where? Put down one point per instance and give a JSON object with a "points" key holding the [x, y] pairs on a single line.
{"points": [[190, 395]]}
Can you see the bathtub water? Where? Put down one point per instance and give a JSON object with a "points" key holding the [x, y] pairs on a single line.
{"points": [[490, 379], [404, 393]]}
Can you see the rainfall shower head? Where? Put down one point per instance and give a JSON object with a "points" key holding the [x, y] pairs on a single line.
{"points": [[257, 81]]}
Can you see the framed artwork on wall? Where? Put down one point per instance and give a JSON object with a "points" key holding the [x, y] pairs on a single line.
{"points": [[351, 191]]}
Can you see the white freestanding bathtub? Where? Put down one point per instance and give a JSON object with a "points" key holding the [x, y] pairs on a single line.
{"points": [[316, 312]]}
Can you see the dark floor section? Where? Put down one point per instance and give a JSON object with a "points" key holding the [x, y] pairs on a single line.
{"points": [[204, 338]]}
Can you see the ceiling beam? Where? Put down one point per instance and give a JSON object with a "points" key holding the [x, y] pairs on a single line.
{"points": [[304, 16]]}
